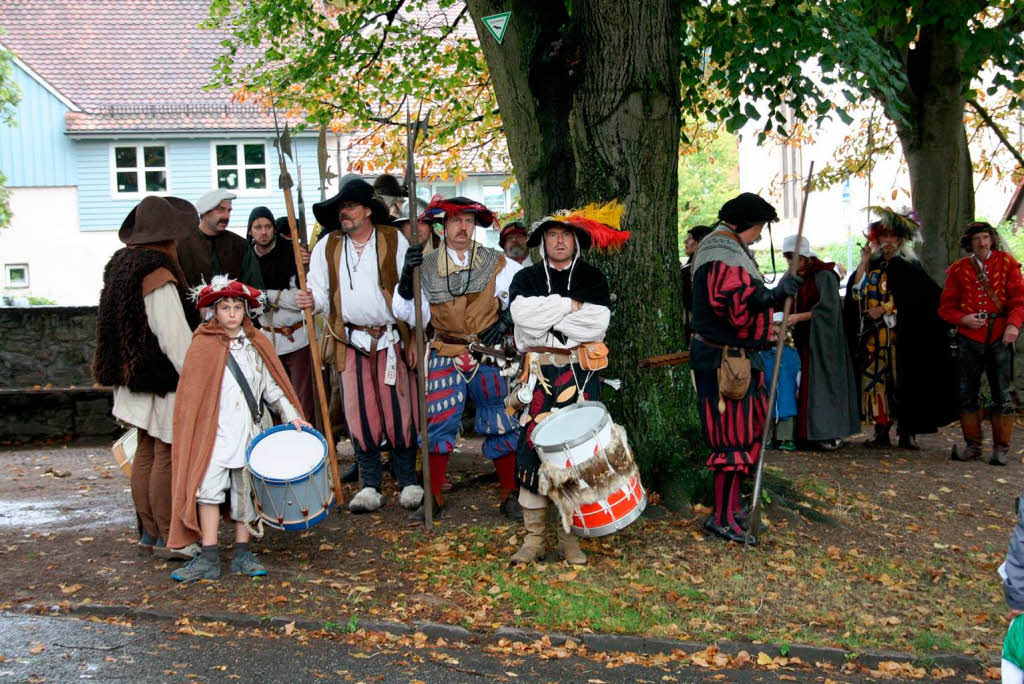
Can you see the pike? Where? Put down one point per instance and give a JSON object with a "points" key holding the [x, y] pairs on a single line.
{"points": [[754, 521], [421, 371], [285, 183]]}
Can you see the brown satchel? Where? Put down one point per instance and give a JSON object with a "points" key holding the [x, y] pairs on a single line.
{"points": [[593, 356], [733, 374]]}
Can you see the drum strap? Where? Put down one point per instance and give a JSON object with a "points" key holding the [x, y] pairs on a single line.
{"points": [[254, 407]]}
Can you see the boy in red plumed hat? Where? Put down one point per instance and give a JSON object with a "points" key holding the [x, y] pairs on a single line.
{"points": [[214, 422]]}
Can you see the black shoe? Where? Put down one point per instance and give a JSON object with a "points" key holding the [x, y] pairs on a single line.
{"points": [[511, 509], [969, 452], [909, 442], [881, 440], [352, 474], [420, 514], [727, 532]]}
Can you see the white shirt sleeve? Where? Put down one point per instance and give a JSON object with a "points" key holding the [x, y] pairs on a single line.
{"points": [[401, 308], [167, 321], [504, 281], [534, 317], [318, 278], [589, 324]]}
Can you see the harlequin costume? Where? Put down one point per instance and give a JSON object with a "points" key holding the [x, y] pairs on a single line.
{"points": [[903, 356], [732, 313], [468, 298], [993, 288], [552, 335], [354, 285]]}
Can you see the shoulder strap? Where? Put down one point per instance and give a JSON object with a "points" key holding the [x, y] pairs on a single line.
{"points": [[254, 407], [985, 284]]}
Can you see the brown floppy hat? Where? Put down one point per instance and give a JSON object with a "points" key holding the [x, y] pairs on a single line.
{"points": [[158, 219]]}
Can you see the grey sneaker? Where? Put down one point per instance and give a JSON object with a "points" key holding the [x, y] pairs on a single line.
{"points": [[245, 563], [199, 568]]}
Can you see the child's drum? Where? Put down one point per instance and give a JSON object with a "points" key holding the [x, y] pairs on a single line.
{"points": [[574, 435], [290, 482]]}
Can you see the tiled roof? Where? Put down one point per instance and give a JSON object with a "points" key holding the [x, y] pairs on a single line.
{"points": [[108, 55]]}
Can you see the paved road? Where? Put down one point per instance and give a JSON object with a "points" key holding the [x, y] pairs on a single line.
{"points": [[61, 649]]}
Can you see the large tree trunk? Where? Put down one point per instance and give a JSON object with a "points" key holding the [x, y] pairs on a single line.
{"points": [[934, 142], [590, 109]]}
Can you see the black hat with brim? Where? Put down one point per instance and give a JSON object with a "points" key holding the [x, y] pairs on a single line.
{"points": [[538, 229], [158, 219], [356, 190]]}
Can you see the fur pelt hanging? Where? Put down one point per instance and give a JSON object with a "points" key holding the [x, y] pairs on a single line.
{"points": [[591, 481]]}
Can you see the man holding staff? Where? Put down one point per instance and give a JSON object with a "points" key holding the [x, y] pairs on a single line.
{"points": [[732, 314], [354, 272]]}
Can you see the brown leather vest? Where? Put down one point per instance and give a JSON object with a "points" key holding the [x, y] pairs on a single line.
{"points": [[387, 279], [469, 314]]}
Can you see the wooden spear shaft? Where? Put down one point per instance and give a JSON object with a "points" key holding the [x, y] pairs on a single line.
{"points": [[754, 521], [421, 362]]}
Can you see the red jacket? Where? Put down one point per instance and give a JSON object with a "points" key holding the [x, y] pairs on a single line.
{"points": [[964, 295]]}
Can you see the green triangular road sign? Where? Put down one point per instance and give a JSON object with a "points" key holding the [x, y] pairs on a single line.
{"points": [[496, 24]]}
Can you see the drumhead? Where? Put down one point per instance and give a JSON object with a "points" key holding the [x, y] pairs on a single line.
{"points": [[570, 424], [284, 453]]}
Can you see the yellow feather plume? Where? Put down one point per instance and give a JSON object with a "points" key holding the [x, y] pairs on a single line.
{"points": [[608, 213]]}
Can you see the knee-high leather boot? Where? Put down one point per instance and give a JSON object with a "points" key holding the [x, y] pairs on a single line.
{"points": [[1002, 435], [970, 425]]}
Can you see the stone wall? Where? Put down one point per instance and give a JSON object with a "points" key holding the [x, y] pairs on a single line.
{"points": [[44, 351]]}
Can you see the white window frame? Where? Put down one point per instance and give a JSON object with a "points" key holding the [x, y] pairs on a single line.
{"points": [[505, 198], [7, 276], [140, 168], [241, 190]]}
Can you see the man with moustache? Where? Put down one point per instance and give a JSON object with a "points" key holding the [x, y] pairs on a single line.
{"points": [[354, 272], [984, 299], [282, 320], [467, 288], [213, 249]]}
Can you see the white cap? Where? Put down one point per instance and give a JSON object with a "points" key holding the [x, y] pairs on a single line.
{"points": [[789, 246], [212, 199]]}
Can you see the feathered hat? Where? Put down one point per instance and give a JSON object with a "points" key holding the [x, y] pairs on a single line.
{"points": [[440, 208], [596, 225], [221, 287], [903, 225]]}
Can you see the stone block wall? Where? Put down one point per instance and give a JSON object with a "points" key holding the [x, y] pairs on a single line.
{"points": [[43, 351]]}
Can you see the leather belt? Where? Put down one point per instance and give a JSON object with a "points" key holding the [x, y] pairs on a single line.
{"points": [[555, 356], [455, 338], [289, 330], [985, 315], [744, 350], [374, 331]]}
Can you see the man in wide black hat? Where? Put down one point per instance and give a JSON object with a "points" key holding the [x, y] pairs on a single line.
{"points": [[354, 272], [141, 340]]}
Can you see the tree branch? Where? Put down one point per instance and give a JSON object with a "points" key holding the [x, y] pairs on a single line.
{"points": [[384, 37], [998, 131]]}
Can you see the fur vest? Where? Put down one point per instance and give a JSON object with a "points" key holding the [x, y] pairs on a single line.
{"points": [[127, 352]]}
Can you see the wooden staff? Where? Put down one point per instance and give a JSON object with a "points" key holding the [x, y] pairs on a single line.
{"points": [[285, 184], [754, 521], [421, 363]]}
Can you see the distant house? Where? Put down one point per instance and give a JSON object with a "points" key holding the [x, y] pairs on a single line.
{"points": [[113, 109]]}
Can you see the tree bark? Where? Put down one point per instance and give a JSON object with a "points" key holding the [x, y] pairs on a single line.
{"points": [[934, 141], [590, 105]]}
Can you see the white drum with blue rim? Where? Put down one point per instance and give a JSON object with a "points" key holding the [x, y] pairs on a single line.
{"points": [[290, 482]]}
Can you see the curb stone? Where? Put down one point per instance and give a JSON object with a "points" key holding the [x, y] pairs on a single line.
{"points": [[595, 642]]}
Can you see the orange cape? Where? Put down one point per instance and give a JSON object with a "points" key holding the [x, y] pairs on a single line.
{"points": [[196, 406]]}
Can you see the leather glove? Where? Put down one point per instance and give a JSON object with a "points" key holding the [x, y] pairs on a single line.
{"points": [[413, 258], [787, 287], [493, 334]]}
